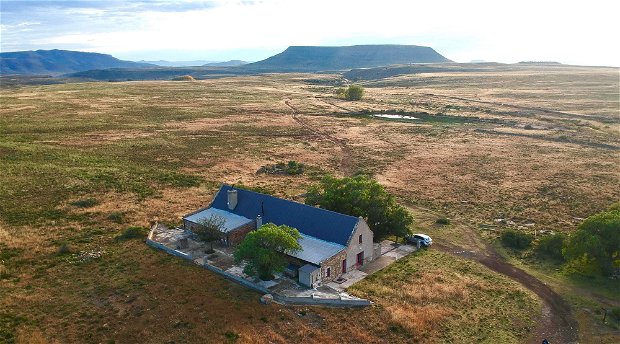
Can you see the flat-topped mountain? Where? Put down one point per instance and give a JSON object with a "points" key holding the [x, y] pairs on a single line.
{"points": [[308, 59], [59, 61]]}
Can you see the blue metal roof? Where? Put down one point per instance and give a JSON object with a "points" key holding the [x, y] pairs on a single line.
{"points": [[316, 251], [315, 222]]}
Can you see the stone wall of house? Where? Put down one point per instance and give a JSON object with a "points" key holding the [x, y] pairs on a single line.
{"points": [[355, 247], [335, 266], [237, 235]]}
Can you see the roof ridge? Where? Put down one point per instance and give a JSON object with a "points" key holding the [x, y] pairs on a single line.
{"points": [[325, 241], [288, 200]]}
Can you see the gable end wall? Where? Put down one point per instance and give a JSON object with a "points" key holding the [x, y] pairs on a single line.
{"points": [[354, 247]]}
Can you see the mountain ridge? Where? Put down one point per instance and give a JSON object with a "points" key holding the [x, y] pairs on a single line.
{"points": [[320, 58], [56, 62]]}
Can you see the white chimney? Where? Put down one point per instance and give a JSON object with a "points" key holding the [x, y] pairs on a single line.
{"points": [[232, 199], [259, 221]]}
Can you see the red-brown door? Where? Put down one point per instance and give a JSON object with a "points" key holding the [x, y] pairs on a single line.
{"points": [[360, 258], [344, 266]]}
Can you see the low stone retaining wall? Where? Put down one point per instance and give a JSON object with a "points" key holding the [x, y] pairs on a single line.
{"points": [[314, 301], [155, 244], [237, 279], [287, 300]]}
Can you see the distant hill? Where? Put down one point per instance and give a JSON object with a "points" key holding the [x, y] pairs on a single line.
{"points": [[156, 73], [312, 59], [54, 62], [231, 63], [164, 63]]}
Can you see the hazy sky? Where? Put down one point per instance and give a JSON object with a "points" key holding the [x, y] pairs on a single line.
{"points": [[576, 32]]}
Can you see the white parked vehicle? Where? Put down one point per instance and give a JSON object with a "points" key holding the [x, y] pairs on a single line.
{"points": [[423, 239]]}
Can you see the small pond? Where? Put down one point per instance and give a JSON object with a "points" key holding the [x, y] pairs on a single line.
{"points": [[395, 116]]}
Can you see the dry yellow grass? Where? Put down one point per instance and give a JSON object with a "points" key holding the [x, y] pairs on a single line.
{"points": [[158, 150]]}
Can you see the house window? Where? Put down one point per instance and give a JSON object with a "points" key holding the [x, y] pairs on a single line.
{"points": [[328, 272], [360, 239]]}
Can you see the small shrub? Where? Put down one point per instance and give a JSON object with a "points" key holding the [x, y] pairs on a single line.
{"points": [[231, 336], [85, 203], [551, 247], [515, 239], [293, 167], [443, 221], [615, 313], [63, 249], [116, 217], [290, 168], [132, 233]]}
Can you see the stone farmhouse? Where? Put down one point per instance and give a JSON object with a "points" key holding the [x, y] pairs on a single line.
{"points": [[332, 243]]}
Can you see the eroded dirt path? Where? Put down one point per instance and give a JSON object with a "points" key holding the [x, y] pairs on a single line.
{"points": [[346, 166], [556, 323]]}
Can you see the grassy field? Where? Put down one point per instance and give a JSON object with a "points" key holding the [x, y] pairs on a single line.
{"points": [[81, 162]]}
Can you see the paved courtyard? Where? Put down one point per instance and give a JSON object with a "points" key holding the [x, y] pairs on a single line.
{"points": [[222, 258]]}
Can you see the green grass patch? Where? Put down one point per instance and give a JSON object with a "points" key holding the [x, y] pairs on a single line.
{"points": [[85, 203], [132, 233]]}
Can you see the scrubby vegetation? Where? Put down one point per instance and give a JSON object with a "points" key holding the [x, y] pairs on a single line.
{"points": [[595, 247], [516, 239], [85, 203], [442, 221], [551, 246], [156, 150], [290, 168], [424, 293], [133, 232], [352, 92]]}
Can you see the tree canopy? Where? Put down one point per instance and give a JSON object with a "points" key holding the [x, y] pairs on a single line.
{"points": [[264, 250], [595, 246], [353, 92], [362, 196]]}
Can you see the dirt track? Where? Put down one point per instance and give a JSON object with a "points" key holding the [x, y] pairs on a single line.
{"points": [[345, 151], [556, 324]]}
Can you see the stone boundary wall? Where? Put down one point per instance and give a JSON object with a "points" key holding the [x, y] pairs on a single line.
{"points": [[286, 300], [173, 252]]}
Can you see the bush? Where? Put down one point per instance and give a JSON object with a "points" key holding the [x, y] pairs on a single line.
{"points": [[354, 92], [594, 248], [63, 249], [290, 168], [132, 233], [85, 203], [442, 221], [551, 247], [515, 239], [116, 216], [615, 313], [231, 336]]}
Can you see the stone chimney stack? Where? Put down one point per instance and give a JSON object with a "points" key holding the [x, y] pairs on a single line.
{"points": [[232, 199], [259, 221]]}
